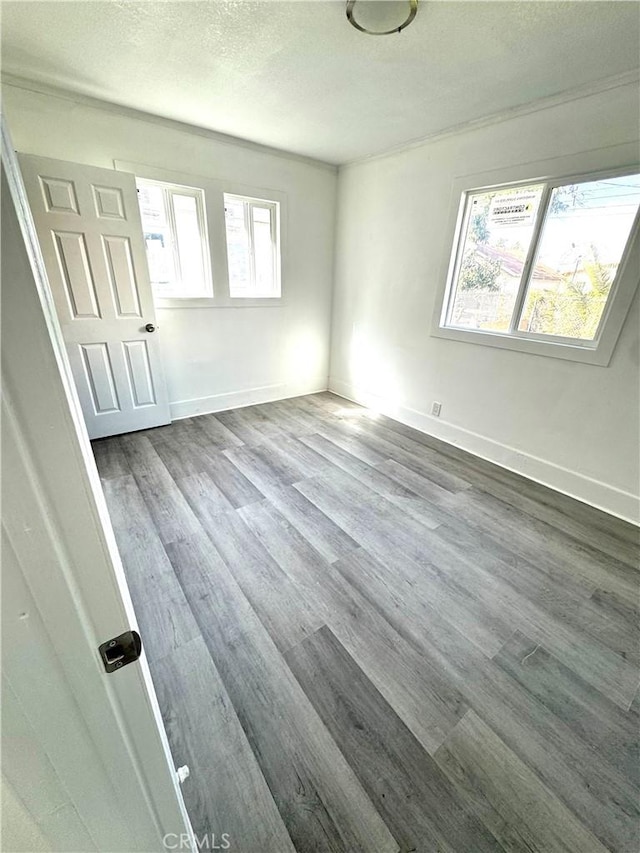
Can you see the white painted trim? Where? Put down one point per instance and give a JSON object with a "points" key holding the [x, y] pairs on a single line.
{"points": [[248, 397], [39, 88], [594, 492], [606, 84]]}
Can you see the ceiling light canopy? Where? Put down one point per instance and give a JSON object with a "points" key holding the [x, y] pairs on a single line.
{"points": [[413, 8]]}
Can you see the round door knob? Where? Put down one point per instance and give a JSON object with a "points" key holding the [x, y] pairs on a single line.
{"points": [[150, 328]]}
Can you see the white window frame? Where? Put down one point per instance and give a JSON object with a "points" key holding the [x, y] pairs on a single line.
{"points": [[623, 288], [214, 190], [169, 190], [249, 202]]}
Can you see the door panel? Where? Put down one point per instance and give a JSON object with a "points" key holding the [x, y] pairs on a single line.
{"points": [[109, 202], [100, 378], [75, 274], [59, 196], [139, 369], [88, 224], [122, 276]]}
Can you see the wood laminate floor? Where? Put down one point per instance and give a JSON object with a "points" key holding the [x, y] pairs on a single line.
{"points": [[363, 639]]}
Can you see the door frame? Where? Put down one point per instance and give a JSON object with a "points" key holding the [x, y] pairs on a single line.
{"points": [[75, 575]]}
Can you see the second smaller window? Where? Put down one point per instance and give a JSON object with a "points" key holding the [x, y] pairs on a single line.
{"points": [[253, 247]]}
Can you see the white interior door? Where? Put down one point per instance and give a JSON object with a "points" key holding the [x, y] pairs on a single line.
{"points": [[84, 751], [88, 225]]}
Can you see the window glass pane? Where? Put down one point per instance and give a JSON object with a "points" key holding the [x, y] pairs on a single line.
{"points": [[189, 243], [157, 238], [263, 249], [237, 246], [585, 232], [497, 234], [261, 214]]}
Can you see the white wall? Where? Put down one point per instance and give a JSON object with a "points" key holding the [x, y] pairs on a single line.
{"points": [[214, 357], [570, 425]]}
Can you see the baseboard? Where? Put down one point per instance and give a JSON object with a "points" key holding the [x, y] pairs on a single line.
{"points": [[247, 397], [601, 495]]}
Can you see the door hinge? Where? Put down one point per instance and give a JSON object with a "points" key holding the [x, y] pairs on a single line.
{"points": [[121, 650]]}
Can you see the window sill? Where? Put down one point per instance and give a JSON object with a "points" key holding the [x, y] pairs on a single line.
{"points": [[212, 302], [598, 355]]}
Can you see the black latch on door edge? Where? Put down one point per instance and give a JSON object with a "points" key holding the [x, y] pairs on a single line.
{"points": [[121, 650]]}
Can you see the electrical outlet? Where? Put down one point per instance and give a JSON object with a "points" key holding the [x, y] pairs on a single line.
{"points": [[436, 409]]}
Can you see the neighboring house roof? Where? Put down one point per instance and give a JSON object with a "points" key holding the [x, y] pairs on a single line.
{"points": [[512, 265]]}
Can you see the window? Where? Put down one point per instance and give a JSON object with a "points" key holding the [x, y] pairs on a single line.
{"points": [[541, 261], [175, 235], [253, 246]]}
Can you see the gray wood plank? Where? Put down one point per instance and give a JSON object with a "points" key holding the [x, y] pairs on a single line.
{"points": [[258, 418], [291, 418], [539, 581], [181, 456], [346, 436], [599, 795], [419, 695], [546, 503], [325, 536], [285, 611], [548, 500], [320, 799], [203, 495], [538, 545], [258, 468], [165, 618], [300, 455], [372, 478], [571, 627], [617, 608], [171, 514], [417, 803], [412, 455], [237, 488], [416, 483], [585, 524], [110, 458], [323, 409], [399, 543], [216, 435], [282, 466], [613, 733], [554, 594], [511, 800], [225, 784], [357, 505], [558, 545], [249, 430]]}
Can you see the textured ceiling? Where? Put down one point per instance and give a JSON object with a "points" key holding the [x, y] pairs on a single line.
{"points": [[296, 76]]}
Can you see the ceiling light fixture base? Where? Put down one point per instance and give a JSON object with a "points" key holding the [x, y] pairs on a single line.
{"points": [[413, 8]]}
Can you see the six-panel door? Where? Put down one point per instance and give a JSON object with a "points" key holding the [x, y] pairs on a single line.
{"points": [[88, 224]]}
